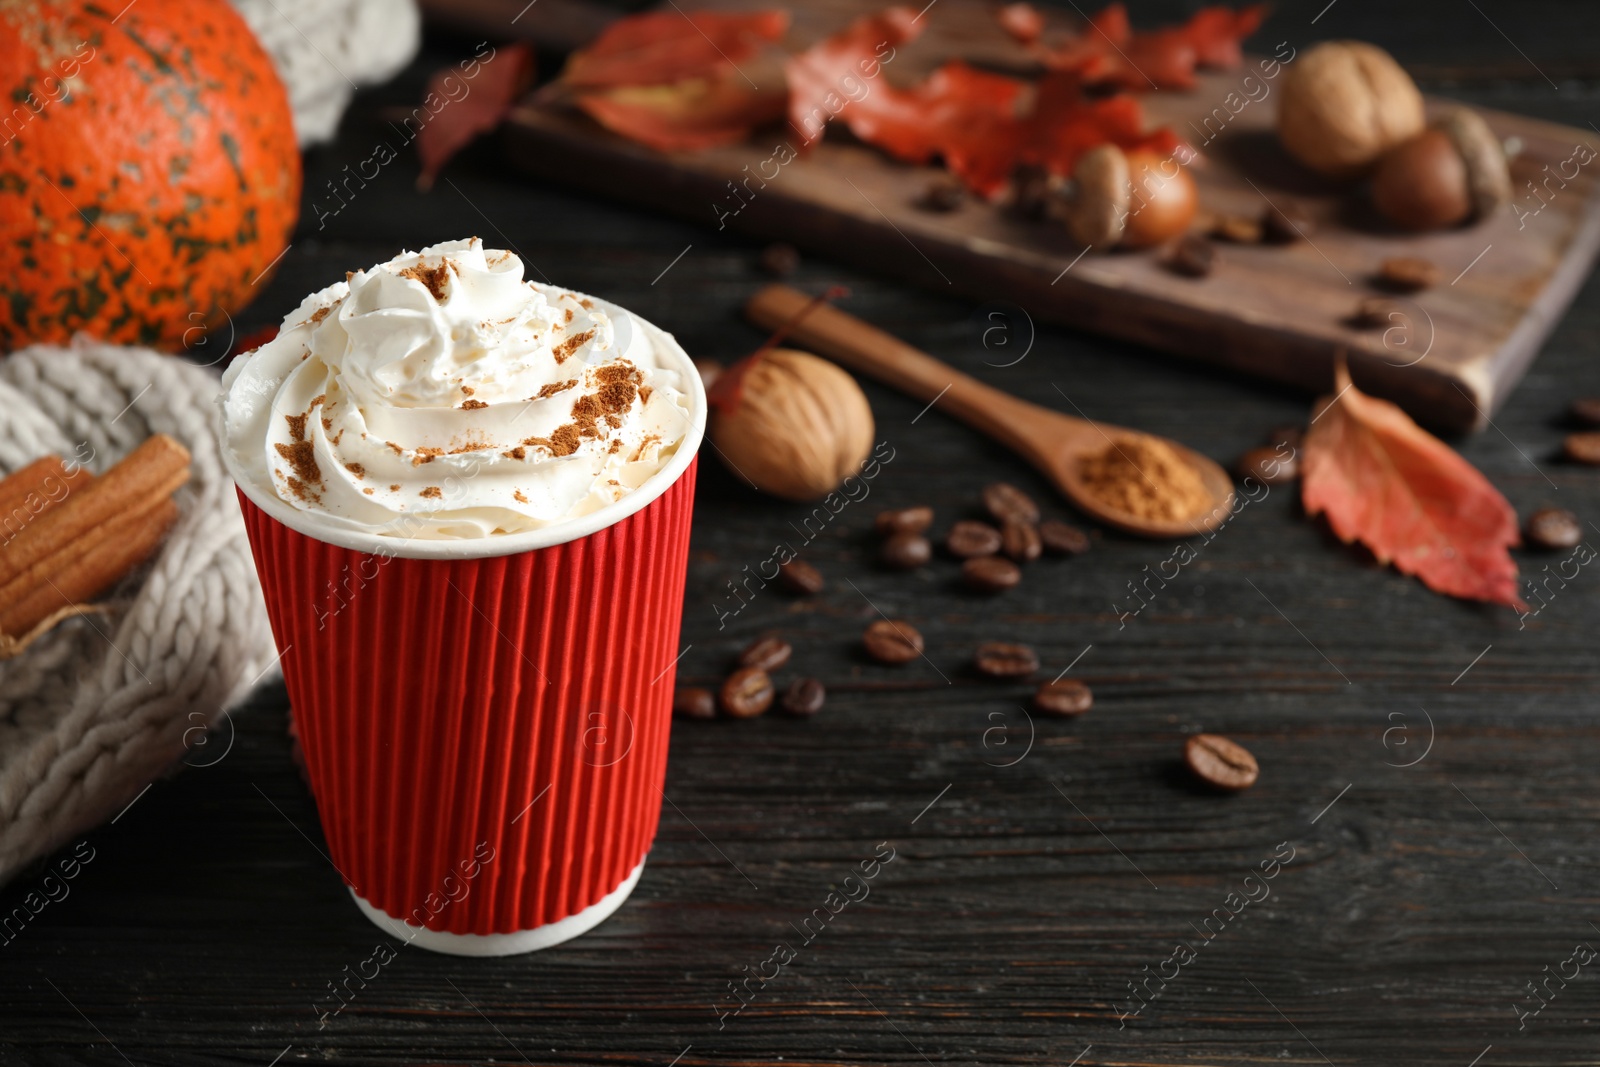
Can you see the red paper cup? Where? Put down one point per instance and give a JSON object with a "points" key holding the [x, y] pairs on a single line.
{"points": [[485, 721]]}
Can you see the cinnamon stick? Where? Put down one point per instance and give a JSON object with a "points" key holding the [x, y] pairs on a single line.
{"points": [[145, 476], [33, 490], [101, 558]]}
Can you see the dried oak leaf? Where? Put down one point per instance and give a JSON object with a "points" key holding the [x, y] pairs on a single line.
{"points": [[1022, 21], [839, 73], [678, 81], [1216, 33], [1065, 123], [659, 48], [1384, 481], [983, 125], [458, 120], [688, 115], [967, 116], [1110, 53]]}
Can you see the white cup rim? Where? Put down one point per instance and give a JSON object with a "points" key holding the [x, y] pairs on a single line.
{"points": [[318, 526]]}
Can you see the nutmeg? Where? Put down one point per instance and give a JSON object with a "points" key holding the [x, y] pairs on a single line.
{"points": [[793, 424], [1343, 104], [1451, 172]]}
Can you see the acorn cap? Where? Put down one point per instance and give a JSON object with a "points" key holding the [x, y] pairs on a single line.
{"points": [[1096, 209], [1488, 176]]}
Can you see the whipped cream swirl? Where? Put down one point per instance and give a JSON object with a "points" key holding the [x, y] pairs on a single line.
{"points": [[439, 395]]}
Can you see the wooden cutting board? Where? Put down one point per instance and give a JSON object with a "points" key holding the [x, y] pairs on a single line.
{"points": [[1276, 312]]}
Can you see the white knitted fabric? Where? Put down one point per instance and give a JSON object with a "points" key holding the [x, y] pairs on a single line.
{"points": [[103, 704], [323, 49]]}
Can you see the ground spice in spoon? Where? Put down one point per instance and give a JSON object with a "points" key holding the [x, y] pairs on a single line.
{"points": [[1145, 477]]}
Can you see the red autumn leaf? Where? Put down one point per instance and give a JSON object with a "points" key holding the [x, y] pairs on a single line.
{"points": [[983, 125], [479, 108], [1160, 59], [648, 80], [660, 48], [1110, 24], [1109, 53], [1065, 124], [1107, 31], [967, 116], [1022, 21], [1216, 32], [1384, 481], [837, 74], [686, 116]]}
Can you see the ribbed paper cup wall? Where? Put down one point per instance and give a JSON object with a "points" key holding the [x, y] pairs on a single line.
{"points": [[486, 738]]}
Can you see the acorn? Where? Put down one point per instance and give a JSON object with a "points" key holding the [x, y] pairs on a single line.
{"points": [[1453, 172], [1126, 198], [1095, 207]]}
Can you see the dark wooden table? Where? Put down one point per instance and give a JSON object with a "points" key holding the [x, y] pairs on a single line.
{"points": [[1031, 885]]}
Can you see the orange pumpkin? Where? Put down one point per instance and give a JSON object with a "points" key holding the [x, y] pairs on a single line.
{"points": [[149, 173]]}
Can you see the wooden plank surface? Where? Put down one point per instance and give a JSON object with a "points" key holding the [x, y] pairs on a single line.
{"points": [[1281, 313], [1405, 930]]}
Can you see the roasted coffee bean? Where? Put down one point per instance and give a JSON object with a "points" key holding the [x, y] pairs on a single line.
{"points": [[903, 520], [747, 693], [1020, 541], [969, 539], [1004, 659], [1067, 696], [990, 574], [942, 195], [1007, 503], [780, 259], [905, 552], [1583, 447], [798, 576], [1376, 313], [1062, 539], [805, 696], [1552, 529], [1032, 189], [1586, 410], [767, 654], [691, 703], [1192, 256], [1286, 435], [1220, 763], [1271, 466], [709, 370], [1285, 224], [1236, 229], [1408, 274], [892, 641]]}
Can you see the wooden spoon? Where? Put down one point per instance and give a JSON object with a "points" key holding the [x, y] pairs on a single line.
{"points": [[1052, 442]]}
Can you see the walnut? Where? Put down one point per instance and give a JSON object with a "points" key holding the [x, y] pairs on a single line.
{"points": [[793, 424], [1344, 104]]}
